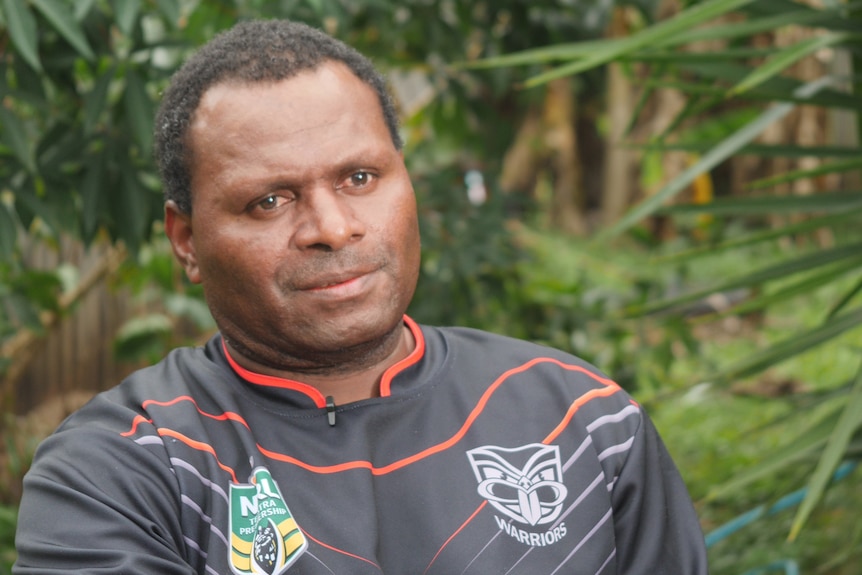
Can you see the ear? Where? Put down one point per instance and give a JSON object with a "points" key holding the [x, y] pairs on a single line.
{"points": [[178, 227]]}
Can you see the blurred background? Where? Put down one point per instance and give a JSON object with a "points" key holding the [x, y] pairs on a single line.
{"points": [[671, 190]]}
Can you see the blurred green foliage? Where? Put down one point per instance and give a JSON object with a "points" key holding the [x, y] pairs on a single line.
{"points": [[80, 81], [741, 74]]}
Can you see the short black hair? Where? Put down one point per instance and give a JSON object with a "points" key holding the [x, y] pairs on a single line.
{"points": [[250, 52]]}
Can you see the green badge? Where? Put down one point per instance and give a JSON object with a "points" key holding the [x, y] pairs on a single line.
{"points": [[264, 536]]}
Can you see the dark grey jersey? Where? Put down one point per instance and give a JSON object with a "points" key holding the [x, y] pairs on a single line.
{"points": [[482, 455]]}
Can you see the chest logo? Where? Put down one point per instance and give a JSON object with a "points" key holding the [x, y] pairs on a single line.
{"points": [[264, 537], [523, 483]]}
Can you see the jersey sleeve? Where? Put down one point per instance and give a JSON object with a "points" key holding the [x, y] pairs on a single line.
{"points": [[97, 502], [656, 526]]}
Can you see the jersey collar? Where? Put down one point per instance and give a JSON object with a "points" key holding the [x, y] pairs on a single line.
{"points": [[311, 391]]}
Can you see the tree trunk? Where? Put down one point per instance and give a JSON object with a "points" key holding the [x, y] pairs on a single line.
{"points": [[568, 201], [617, 177]]}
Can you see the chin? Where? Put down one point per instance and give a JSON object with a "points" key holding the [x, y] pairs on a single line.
{"points": [[352, 332]]}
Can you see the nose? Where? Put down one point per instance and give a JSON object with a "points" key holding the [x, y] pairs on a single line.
{"points": [[328, 221]]}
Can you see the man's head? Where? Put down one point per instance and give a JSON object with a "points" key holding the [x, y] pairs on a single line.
{"points": [[303, 230], [250, 52]]}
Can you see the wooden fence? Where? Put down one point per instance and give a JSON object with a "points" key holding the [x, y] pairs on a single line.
{"points": [[74, 357]]}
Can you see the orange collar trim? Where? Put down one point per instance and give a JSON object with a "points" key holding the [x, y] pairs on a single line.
{"points": [[312, 392]]}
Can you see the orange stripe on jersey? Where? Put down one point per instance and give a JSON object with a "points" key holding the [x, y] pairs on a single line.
{"points": [[196, 445], [343, 552], [457, 531], [139, 419], [576, 405], [610, 388], [225, 415]]}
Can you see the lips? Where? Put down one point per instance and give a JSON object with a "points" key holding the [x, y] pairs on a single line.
{"points": [[332, 279], [334, 283]]}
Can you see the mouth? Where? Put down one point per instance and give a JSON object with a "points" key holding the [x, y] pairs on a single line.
{"points": [[333, 284], [338, 281]]}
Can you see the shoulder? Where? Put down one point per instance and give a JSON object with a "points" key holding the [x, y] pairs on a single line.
{"points": [[183, 370], [114, 430], [180, 367], [109, 421], [548, 382], [469, 339], [494, 352]]}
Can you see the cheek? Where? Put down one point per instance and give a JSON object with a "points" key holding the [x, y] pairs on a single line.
{"points": [[406, 239], [228, 259]]}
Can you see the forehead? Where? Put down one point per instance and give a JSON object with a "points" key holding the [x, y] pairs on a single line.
{"points": [[330, 88], [314, 119]]}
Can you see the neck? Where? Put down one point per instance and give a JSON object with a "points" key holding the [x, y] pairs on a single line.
{"points": [[344, 381]]}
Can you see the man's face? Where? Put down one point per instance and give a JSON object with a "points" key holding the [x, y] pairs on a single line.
{"points": [[303, 228]]}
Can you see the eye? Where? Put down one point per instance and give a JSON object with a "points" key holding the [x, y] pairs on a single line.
{"points": [[269, 203], [358, 179]]}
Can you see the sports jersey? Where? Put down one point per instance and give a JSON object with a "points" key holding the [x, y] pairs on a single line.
{"points": [[482, 454]]}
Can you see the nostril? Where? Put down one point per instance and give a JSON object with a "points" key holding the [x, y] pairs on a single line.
{"points": [[321, 247]]}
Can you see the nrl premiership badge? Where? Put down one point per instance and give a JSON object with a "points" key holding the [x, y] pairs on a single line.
{"points": [[264, 536]]}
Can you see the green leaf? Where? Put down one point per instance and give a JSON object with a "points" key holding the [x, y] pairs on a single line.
{"points": [[23, 311], [63, 21], [827, 202], [849, 422], [94, 101], [82, 8], [139, 111], [143, 336], [763, 150], [803, 226], [690, 58], [29, 197], [792, 346], [805, 286], [8, 232], [845, 299], [131, 208], [182, 305], [127, 14], [171, 10], [784, 60], [59, 149], [91, 194], [828, 168], [819, 258], [21, 26], [718, 154], [569, 51], [755, 26], [14, 135], [804, 445], [41, 288], [777, 88], [602, 54]]}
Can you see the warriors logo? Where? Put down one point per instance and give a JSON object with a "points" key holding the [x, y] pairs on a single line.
{"points": [[524, 483], [265, 539]]}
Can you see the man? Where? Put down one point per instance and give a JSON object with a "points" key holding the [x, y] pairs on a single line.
{"points": [[323, 431]]}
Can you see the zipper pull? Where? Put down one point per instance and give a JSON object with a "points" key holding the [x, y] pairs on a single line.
{"points": [[330, 410]]}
